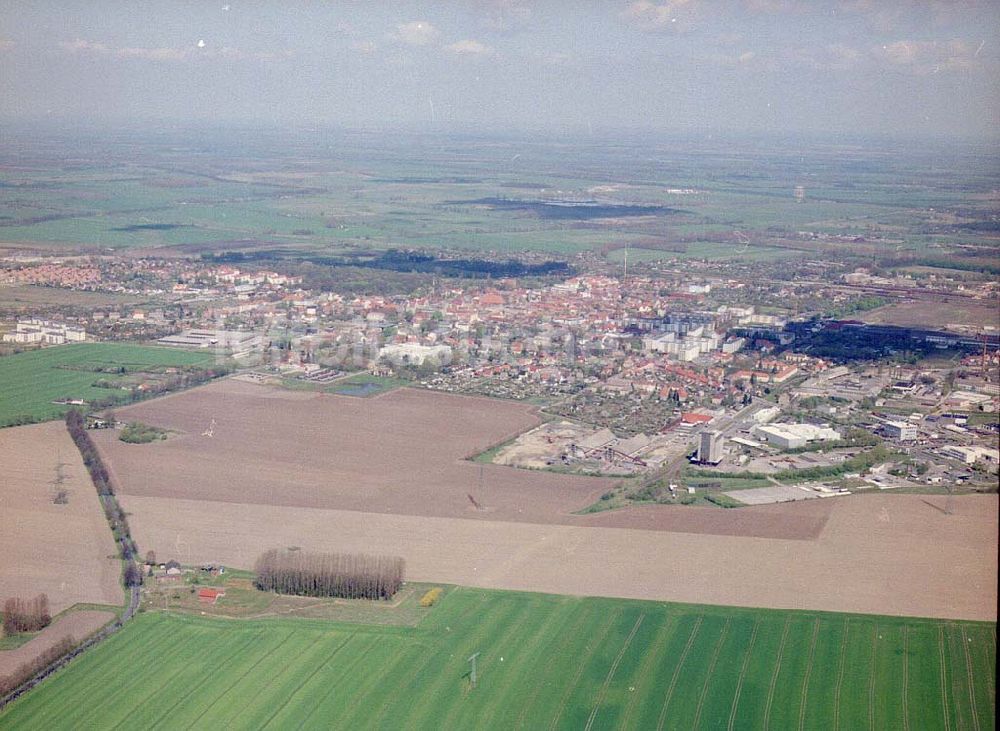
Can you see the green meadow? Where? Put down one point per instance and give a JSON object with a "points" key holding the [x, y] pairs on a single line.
{"points": [[31, 381], [544, 662]]}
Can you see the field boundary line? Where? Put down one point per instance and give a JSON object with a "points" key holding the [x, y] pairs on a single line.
{"points": [[906, 678], [99, 665], [871, 679], [494, 620], [388, 668], [582, 666], [125, 549], [803, 696], [534, 648], [743, 672], [944, 679], [232, 685], [711, 669], [309, 677], [990, 671], [570, 633], [291, 663], [160, 686], [840, 675], [972, 681], [651, 654], [156, 644], [774, 675], [513, 630], [611, 672], [956, 690], [677, 671], [344, 671]]}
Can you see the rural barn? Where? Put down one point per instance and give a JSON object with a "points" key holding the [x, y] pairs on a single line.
{"points": [[209, 595]]}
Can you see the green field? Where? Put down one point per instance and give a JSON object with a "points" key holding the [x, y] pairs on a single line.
{"points": [[301, 192], [31, 381], [545, 662]]}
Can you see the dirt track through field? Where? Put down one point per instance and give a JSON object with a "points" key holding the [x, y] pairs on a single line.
{"points": [[65, 551]]}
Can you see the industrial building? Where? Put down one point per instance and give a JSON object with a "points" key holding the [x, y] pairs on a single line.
{"points": [[233, 342], [971, 455], [901, 430], [793, 436], [710, 447]]}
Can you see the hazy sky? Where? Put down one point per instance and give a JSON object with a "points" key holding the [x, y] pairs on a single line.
{"points": [[847, 66]]}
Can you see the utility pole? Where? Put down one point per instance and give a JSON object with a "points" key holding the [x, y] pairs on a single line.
{"points": [[472, 672]]}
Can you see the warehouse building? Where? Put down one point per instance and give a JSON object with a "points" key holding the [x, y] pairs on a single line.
{"points": [[793, 436], [901, 430]]}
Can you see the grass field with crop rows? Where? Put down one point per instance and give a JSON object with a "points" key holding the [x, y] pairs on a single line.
{"points": [[31, 381], [545, 662]]}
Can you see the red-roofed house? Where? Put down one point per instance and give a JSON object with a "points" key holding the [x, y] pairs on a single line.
{"points": [[692, 417], [208, 595]]}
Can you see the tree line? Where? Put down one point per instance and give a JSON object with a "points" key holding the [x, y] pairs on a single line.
{"points": [[180, 381], [26, 615], [30, 668], [77, 426], [349, 576]]}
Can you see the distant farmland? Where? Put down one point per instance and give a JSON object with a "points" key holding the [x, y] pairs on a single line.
{"points": [[31, 381], [544, 662]]}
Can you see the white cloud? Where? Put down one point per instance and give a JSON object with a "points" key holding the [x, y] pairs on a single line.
{"points": [[417, 33], [365, 48], [167, 54], [81, 46], [924, 57], [507, 16], [469, 47], [553, 58], [153, 54], [6, 44], [832, 57], [670, 15], [771, 7]]}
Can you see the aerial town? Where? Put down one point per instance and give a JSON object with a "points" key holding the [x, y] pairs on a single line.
{"points": [[632, 374], [508, 364]]}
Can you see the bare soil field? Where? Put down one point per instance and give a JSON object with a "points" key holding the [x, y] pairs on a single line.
{"points": [[880, 554], [402, 452], [255, 468], [65, 551], [78, 625], [784, 521], [938, 314]]}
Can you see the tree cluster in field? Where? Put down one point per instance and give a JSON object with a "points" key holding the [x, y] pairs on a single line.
{"points": [[27, 670], [136, 432], [26, 615], [349, 576], [179, 381], [77, 426]]}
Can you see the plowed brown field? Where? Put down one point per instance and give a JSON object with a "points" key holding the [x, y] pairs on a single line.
{"points": [[387, 475], [402, 452], [78, 625], [65, 551]]}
